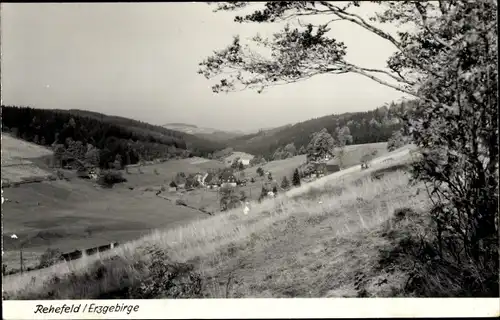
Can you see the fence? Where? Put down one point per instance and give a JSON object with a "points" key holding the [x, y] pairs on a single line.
{"points": [[77, 254]]}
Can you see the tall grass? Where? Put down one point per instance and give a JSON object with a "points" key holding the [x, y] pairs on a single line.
{"points": [[358, 206]]}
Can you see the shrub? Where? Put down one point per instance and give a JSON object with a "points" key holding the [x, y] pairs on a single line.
{"points": [[263, 194], [285, 184], [296, 178], [111, 177], [260, 171], [60, 174], [50, 257], [180, 202], [396, 141], [167, 279]]}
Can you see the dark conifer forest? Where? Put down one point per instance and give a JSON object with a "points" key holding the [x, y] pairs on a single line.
{"points": [[113, 136]]}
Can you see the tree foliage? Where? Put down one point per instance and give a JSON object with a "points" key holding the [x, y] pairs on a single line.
{"points": [[396, 141], [321, 145], [50, 257], [230, 199]]}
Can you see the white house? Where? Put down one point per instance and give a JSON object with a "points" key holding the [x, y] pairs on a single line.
{"points": [[245, 162]]}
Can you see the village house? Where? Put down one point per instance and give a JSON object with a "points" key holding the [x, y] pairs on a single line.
{"points": [[86, 171], [323, 166], [203, 180], [211, 181], [332, 166], [228, 179], [245, 162], [68, 161], [199, 178]]}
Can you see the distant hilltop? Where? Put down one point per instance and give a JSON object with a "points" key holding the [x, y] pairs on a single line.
{"points": [[179, 124], [204, 132]]}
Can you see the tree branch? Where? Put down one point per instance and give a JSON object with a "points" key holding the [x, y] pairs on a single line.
{"points": [[398, 78], [354, 18], [385, 83], [423, 15]]}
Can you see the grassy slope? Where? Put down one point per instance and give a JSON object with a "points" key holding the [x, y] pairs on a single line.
{"points": [[75, 214], [71, 215], [353, 154], [20, 159], [282, 248]]}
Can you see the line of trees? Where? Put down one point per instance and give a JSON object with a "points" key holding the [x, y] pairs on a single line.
{"points": [[364, 127]]}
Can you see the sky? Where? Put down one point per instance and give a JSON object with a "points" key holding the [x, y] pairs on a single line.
{"points": [[140, 60]]}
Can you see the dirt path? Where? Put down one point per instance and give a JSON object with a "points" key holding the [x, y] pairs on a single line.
{"points": [[158, 194]]}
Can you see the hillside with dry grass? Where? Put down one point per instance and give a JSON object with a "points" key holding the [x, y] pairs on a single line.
{"points": [[333, 241]]}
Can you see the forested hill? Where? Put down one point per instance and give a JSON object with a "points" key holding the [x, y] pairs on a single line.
{"points": [[111, 135], [365, 127], [195, 144]]}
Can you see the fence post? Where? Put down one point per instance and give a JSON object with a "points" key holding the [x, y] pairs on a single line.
{"points": [[21, 258]]}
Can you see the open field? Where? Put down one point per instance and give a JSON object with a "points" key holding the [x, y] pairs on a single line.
{"points": [[74, 214], [163, 173], [20, 159], [77, 214], [112, 214], [14, 150], [307, 247]]}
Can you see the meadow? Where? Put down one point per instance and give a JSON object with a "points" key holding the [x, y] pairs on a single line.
{"points": [[21, 159], [324, 244], [77, 214]]}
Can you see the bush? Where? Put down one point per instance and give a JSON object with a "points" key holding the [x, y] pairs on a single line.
{"points": [[260, 171], [396, 141], [180, 202], [60, 174], [50, 257], [167, 279], [111, 177], [296, 178], [285, 184]]}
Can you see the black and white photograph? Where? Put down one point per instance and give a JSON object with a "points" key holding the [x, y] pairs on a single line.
{"points": [[238, 150]]}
